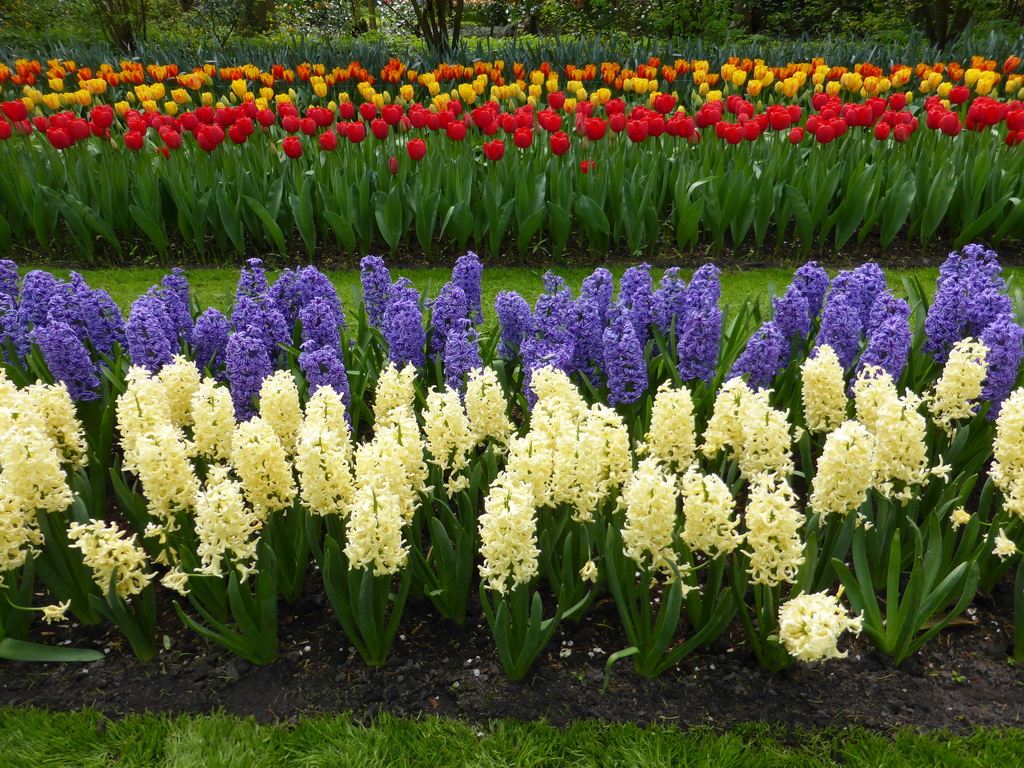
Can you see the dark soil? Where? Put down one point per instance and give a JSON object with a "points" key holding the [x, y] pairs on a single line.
{"points": [[962, 679]]}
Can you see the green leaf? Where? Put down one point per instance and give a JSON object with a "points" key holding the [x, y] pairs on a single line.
{"points": [[20, 650]]}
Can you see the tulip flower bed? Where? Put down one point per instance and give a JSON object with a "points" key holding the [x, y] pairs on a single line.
{"points": [[850, 466], [242, 159]]}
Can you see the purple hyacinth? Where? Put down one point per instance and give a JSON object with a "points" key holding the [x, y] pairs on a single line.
{"points": [[862, 285], [841, 327], [889, 346], [252, 281], [68, 360], [36, 291], [468, 274], [174, 293], [697, 347], [705, 289], [764, 356], [10, 330], [792, 315], [516, 321], [404, 333], [544, 353], [985, 306], [376, 280], [177, 283], [461, 354], [448, 310], [9, 280], [248, 364], [320, 327], [102, 317], [598, 287], [554, 306], [946, 322], [261, 319], [210, 340], [145, 333], [670, 300], [812, 281], [286, 292], [324, 367], [624, 362], [587, 332], [885, 307], [314, 284], [403, 290], [636, 296], [1005, 342]]}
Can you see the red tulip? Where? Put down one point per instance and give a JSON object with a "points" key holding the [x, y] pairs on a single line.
{"points": [[595, 128], [950, 124], [171, 138], [556, 100], [523, 137], [308, 126], [356, 132], [79, 129], [416, 148], [1013, 138], [379, 128], [617, 122], [225, 116], [655, 126], [455, 108], [897, 101], [132, 140], [59, 138], [291, 124], [328, 141], [882, 131], [14, 110], [346, 110], [102, 116], [796, 135], [368, 111], [393, 166], [494, 150], [214, 133], [825, 133], [901, 133], [587, 166], [483, 117], [5, 130], [236, 135], [559, 143], [391, 113], [637, 130], [246, 126], [287, 109], [959, 94], [418, 118], [205, 114], [456, 130], [292, 147]]}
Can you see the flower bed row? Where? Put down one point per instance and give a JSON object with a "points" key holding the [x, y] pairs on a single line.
{"points": [[704, 467]]}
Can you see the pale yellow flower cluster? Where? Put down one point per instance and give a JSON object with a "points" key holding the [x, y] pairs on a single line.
{"points": [[756, 434], [671, 438], [650, 499], [901, 453], [1007, 470], [508, 534], [180, 380], [374, 531], [142, 404], [845, 471], [960, 385], [323, 455], [161, 461], [485, 406], [214, 423], [394, 389], [1004, 547], [262, 465], [226, 527], [810, 626], [450, 438], [709, 520], [51, 408], [105, 548], [279, 407], [773, 531], [824, 391]]}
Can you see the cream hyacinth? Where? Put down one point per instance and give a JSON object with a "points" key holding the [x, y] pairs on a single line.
{"points": [[323, 455], [161, 461], [508, 535], [105, 547], [824, 390], [959, 387], [845, 471], [450, 438], [1007, 470], [225, 525], [180, 382], [810, 626], [485, 406], [259, 460], [394, 389], [214, 423], [756, 434], [374, 530], [142, 405], [650, 499], [773, 531], [710, 523], [33, 479], [53, 410], [671, 437], [279, 407]]}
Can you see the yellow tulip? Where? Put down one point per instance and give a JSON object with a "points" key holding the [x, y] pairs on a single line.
{"points": [[537, 77], [239, 87], [434, 88], [407, 92], [206, 97], [754, 88], [704, 88], [551, 85], [267, 94], [171, 108], [56, 84], [714, 96], [569, 106], [51, 100], [157, 91], [983, 87], [739, 77], [581, 94], [283, 98], [261, 103], [934, 79], [780, 87], [944, 89], [83, 97], [534, 91], [121, 107], [378, 100], [833, 88], [971, 76]]}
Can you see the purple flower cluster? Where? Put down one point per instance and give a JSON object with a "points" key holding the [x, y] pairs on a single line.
{"points": [[763, 357], [320, 326], [176, 297], [210, 340], [252, 281], [697, 348], [636, 298], [448, 311], [376, 280], [813, 283], [542, 353], [468, 274], [862, 285], [259, 318], [889, 335], [516, 321], [37, 289], [598, 288], [10, 329], [624, 362], [145, 333], [324, 367], [670, 300], [402, 328], [554, 307], [461, 354], [68, 360], [586, 330], [705, 289], [791, 314], [9, 281], [1005, 342], [248, 364], [841, 326]]}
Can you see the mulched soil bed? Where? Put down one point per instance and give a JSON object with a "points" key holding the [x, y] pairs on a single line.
{"points": [[962, 679]]}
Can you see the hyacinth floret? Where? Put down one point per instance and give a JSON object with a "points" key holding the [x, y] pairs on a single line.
{"points": [[813, 283], [9, 280], [107, 549], [1004, 340], [247, 366], [403, 331], [227, 528], [468, 275], [210, 341], [773, 531], [810, 626], [671, 438], [841, 327], [68, 360], [791, 314], [670, 300], [252, 280], [37, 289], [1007, 470], [516, 321], [325, 367], [845, 471], [598, 288], [960, 385], [176, 295], [508, 535], [314, 284], [259, 318], [461, 354], [650, 499], [862, 286], [698, 343], [551, 313], [705, 289], [376, 282], [710, 523], [624, 362], [823, 391], [587, 331], [448, 310], [889, 346], [287, 296], [320, 326], [146, 334], [764, 356]]}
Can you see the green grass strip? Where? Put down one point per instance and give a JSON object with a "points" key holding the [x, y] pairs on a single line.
{"points": [[34, 738]]}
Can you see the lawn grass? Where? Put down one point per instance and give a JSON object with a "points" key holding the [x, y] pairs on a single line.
{"points": [[216, 287], [34, 738]]}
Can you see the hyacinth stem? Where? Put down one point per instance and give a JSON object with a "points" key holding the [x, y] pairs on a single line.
{"points": [[16, 586]]}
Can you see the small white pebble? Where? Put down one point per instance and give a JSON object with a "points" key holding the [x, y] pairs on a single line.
{"points": [[307, 649]]}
